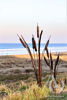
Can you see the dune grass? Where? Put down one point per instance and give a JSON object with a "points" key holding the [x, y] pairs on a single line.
{"points": [[28, 91], [24, 92]]}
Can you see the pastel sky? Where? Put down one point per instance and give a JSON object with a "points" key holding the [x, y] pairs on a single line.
{"points": [[22, 16]]}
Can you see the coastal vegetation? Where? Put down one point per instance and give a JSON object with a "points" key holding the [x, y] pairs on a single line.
{"points": [[28, 79]]}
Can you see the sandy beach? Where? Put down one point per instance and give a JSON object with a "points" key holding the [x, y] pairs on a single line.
{"points": [[17, 67]]}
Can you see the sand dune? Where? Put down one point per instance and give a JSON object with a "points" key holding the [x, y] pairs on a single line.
{"points": [[22, 65]]}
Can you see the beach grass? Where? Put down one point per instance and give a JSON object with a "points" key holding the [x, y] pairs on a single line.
{"points": [[14, 86]]}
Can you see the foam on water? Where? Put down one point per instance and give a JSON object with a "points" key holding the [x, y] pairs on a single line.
{"points": [[13, 49], [24, 51]]}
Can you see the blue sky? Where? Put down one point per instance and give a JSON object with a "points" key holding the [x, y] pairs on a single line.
{"points": [[22, 16]]}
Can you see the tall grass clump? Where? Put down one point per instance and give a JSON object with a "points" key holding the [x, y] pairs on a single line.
{"points": [[36, 93], [15, 96], [4, 90]]}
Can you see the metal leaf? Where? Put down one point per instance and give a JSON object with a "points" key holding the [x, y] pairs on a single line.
{"points": [[51, 61], [47, 52], [57, 60], [46, 61], [21, 41], [47, 43]]}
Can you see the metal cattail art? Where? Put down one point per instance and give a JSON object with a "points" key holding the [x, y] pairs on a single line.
{"points": [[40, 71], [37, 31], [46, 47], [34, 43], [56, 63], [24, 43], [21, 41], [57, 60], [46, 61], [29, 51], [53, 71], [50, 62]]}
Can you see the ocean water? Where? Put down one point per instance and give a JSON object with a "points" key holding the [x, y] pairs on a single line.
{"points": [[14, 48]]}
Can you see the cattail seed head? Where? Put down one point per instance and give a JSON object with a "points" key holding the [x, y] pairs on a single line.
{"points": [[46, 61], [34, 43], [37, 31]]}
